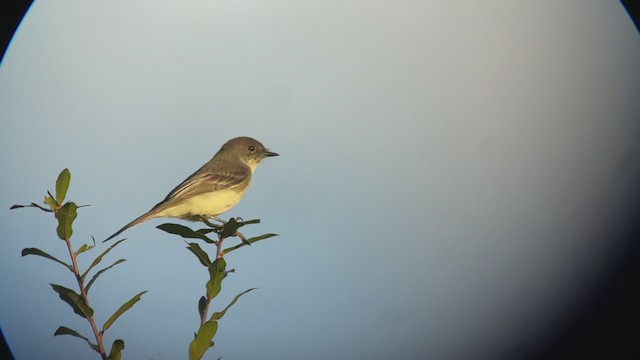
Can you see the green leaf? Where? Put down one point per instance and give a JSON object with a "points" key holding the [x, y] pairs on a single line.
{"points": [[202, 342], [116, 349], [248, 222], [86, 247], [99, 258], [82, 249], [66, 215], [199, 253], [126, 306], [230, 228], [202, 304], [93, 279], [184, 232], [216, 274], [261, 237], [219, 315], [38, 252], [250, 241], [205, 231], [63, 330], [62, 185], [49, 200], [75, 300]]}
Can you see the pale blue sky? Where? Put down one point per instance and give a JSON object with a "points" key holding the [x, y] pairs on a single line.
{"points": [[448, 178]]}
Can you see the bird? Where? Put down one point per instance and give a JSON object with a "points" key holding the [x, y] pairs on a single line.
{"points": [[214, 188]]}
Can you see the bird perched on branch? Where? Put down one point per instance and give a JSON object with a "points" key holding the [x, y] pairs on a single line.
{"points": [[215, 188]]}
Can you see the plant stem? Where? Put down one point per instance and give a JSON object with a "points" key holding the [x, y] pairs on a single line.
{"points": [[219, 248], [204, 315], [83, 292]]}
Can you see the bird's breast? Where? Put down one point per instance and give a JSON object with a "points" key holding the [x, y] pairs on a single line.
{"points": [[207, 204]]}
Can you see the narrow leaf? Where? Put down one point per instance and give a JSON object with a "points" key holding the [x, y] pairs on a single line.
{"points": [[184, 232], [62, 185], [66, 215], [86, 247], [205, 231], [126, 306], [202, 304], [63, 330], [216, 274], [41, 208], [99, 258], [116, 349], [75, 300], [93, 279], [250, 241], [249, 222], [38, 252], [82, 249], [219, 315], [202, 342], [261, 237], [199, 253], [30, 205]]}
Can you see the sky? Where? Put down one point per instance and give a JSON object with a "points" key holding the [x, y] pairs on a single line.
{"points": [[451, 173]]}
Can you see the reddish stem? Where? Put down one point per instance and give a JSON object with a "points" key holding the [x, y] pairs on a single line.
{"points": [[83, 292]]}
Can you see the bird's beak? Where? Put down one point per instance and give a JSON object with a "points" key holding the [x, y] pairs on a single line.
{"points": [[270, 153]]}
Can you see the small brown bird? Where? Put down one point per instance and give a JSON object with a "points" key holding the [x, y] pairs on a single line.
{"points": [[215, 188]]}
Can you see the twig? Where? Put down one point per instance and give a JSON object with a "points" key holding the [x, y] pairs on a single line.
{"points": [[83, 292]]}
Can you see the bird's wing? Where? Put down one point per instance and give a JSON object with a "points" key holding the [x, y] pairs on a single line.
{"points": [[208, 180]]}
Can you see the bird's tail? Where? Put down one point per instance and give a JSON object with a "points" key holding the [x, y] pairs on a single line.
{"points": [[149, 215]]}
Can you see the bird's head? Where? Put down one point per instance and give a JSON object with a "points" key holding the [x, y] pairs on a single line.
{"points": [[249, 150]]}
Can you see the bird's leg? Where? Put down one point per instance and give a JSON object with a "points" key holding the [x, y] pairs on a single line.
{"points": [[217, 219], [208, 223]]}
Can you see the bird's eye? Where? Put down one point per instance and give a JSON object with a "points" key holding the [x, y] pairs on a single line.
{"points": [[252, 148]]}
